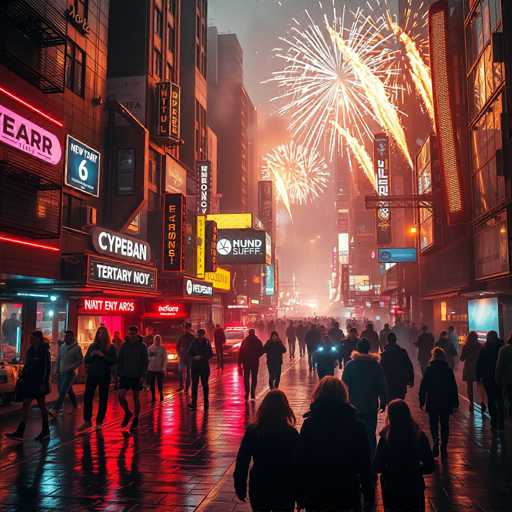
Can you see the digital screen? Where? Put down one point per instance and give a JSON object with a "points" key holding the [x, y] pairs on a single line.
{"points": [[483, 316], [397, 255], [82, 167]]}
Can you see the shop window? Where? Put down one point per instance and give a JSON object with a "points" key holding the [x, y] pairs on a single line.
{"points": [[75, 68], [491, 247], [51, 319], [11, 331], [125, 171], [89, 324]]}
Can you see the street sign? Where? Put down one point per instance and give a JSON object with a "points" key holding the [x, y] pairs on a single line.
{"points": [[397, 255]]}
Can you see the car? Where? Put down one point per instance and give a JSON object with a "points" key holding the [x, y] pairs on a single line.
{"points": [[172, 357], [8, 377], [234, 337]]}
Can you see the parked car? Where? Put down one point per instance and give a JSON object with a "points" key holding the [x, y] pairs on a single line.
{"points": [[234, 337], [8, 377]]}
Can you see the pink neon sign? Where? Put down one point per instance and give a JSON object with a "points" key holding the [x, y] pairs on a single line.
{"points": [[22, 134]]}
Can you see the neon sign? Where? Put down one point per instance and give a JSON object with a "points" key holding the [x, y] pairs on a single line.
{"points": [[106, 306]]}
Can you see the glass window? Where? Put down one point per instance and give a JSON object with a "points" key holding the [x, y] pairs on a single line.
{"points": [[125, 171], [491, 247], [10, 333], [51, 319], [157, 63], [75, 68]]}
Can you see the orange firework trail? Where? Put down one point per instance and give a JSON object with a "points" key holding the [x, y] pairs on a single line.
{"points": [[359, 152], [384, 111], [420, 72]]}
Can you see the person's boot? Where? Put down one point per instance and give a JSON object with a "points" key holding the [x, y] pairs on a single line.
{"points": [[17, 435]]}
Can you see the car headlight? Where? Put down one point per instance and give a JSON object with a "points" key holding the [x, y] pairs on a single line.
{"points": [[172, 357], [237, 345]]}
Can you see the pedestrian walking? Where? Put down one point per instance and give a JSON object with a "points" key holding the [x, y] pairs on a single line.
{"points": [[486, 374], [446, 344], [349, 345], [367, 388], [182, 348], [271, 442], [99, 359], [413, 334], [373, 338], [199, 354], [469, 356], [219, 338], [157, 365], [34, 384], [117, 342], [334, 453], [454, 340], [440, 397], [403, 457], [325, 357], [291, 336], [425, 344], [301, 338], [69, 359], [504, 372], [312, 339], [383, 337], [248, 361], [132, 368], [397, 367], [274, 348]]}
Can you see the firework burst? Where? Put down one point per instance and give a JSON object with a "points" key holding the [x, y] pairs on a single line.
{"points": [[318, 84], [300, 175]]}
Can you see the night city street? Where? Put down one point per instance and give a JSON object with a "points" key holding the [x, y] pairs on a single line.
{"points": [[255, 255]]}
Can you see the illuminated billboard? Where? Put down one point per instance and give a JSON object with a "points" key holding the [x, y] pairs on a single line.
{"points": [[444, 110], [381, 164], [242, 246], [270, 281], [221, 279], [232, 220], [397, 255], [483, 316], [204, 178], [201, 245], [174, 226]]}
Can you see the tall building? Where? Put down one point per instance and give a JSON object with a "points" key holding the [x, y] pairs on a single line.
{"points": [[233, 118]]}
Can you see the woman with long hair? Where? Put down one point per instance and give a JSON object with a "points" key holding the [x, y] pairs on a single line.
{"points": [[334, 453], [271, 442], [99, 359], [469, 356], [440, 396], [403, 457]]}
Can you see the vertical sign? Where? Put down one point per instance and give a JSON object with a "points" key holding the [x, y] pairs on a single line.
{"points": [[164, 110], [204, 184], [345, 282], [175, 113], [381, 163], [265, 204], [201, 245], [210, 261], [174, 224]]}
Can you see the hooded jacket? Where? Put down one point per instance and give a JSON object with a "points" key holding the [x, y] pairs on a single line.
{"points": [[398, 369], [250, 351], [366, 382], [133, 358], [438, 390], [334, 459]]}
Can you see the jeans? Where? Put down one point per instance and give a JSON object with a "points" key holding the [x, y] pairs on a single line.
{"points": [[370, 424], [274, 374], [496, 405], [93, 382], [65, 388], [250, 379], [310, 358], [200, 375], [219, 351], [292, 343], [185, 377], [435, 419], [302, 348], [158, 378]]}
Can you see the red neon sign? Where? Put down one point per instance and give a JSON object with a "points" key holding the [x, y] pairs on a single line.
{"points": [[99, 305], [174, 310], [28, 243], [31, 107]]}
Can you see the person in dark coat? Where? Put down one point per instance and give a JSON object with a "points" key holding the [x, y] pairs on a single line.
{"points": [[182, 348], [199, 355], [397, 368], [349, 345], [372, 336], [486, 374], [291, 336], [271, 442], [383, 337], [301, 338], [440, 396], [425, 344], [274, 348], [219, 337], [469, 356], [34, 384], [325, 357], [99, 359], [403, 457], [249, 362], [334, 453], [313, 337], [367, 388], [446, 344]]}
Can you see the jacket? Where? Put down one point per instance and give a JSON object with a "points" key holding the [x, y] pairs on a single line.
{"points": [[383, 338], [291, 333], [334, 459], [425, 345], [183, 345], [504, 367], [349, 345], [36, 370], [373, 339], [398, 369], [273, 475], [219, 336], [487, 362], [133, 358], [69, 358], [312, 338], [274, 350], [250, 351], [157, 358], [301, 332], [325, 355], [469, 355], [97, 366], [402, 464], [449, 349], [199, 355], [366, 382], [438, 389]]}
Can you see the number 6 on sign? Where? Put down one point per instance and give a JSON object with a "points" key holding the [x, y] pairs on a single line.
{"points": [[82, 170]]}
